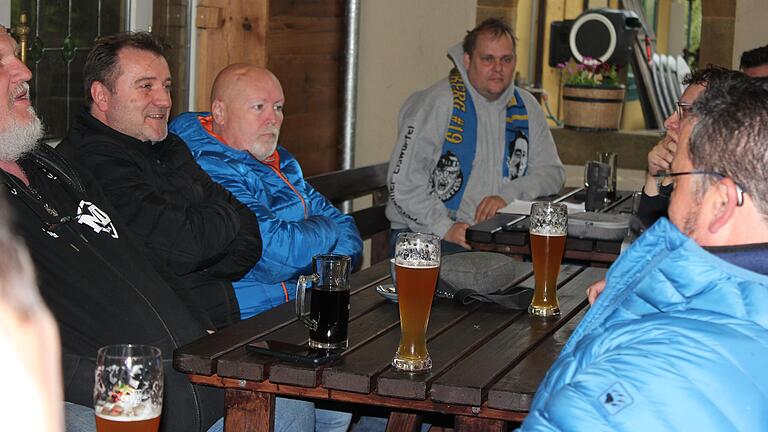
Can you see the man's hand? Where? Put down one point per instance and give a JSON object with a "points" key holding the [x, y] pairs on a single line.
{"points": [[661, 155], [659, 160], [595, 290], [458, 234], [488, 207]]}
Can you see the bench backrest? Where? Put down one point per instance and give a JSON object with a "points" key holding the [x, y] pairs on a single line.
{"points": [[343, 185]]}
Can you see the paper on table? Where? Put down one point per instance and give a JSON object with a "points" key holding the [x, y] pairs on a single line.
{"points": [[524, 207]]}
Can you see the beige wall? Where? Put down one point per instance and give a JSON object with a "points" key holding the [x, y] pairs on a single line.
{"points": [[402, 48], [750, 30]]}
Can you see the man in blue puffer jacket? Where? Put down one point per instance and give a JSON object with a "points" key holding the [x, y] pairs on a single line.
{"points": [[236, 143], [679, 338]]}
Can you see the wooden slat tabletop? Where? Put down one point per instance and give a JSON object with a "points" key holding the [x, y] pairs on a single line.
{"points": [[497, 234], [484, 357]]}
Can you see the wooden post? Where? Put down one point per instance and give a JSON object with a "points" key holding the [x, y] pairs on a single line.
{"points": [[403, 422], [249, 411], [476, 424]]}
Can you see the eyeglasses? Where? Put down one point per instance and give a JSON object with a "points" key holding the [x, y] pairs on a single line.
{"points": [[683, 109], [740, 190]]}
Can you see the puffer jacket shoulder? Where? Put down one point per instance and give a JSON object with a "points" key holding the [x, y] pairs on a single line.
{"points": [[677, 341]]}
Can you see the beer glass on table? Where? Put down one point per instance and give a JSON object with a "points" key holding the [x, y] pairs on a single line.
{"points": [[548, 229], [612, 159], [417, 265], [128, 391], [328, 314]]}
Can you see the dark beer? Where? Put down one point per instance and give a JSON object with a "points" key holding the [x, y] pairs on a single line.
{"points": [[330, 309], [127, 424], [546, 253], [415, 290]]}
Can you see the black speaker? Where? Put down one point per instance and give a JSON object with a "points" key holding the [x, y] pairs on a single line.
{"points": [[603, 34], [559, 51]]}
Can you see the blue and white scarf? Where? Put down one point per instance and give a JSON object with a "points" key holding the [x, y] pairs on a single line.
{"points": [[451, 175]]}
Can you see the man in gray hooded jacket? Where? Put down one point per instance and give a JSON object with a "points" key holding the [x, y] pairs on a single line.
{"points": [[470, 144]]}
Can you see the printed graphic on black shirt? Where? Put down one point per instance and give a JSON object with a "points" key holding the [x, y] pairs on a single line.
{"points": [[90, 215], [518, 156], [446, 178]]}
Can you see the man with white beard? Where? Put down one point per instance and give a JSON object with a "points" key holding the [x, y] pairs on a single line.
{"points": [[99, 286]]}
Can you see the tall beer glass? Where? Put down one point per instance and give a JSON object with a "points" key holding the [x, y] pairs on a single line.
{"points": [[549, 226], [417, 265], [128, 393]]}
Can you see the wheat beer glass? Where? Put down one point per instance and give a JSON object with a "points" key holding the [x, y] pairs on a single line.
{"points": [[417, 265], [128, 392], [549, 226], [327, 317]]}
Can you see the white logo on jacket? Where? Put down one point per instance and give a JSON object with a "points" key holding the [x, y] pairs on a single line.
{"points": [[90, 215]]}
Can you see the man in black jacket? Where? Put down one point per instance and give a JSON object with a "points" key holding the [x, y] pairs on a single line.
{"points": [[96, 281], [197, 235]]}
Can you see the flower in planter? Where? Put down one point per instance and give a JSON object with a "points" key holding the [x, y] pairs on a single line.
{"points": [[590, 72]]}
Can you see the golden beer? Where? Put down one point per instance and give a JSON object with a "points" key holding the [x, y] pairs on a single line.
{"points": [[415, 289], [127, 424], [417, 266], [548, 229], [546, 253], [128, 389]]}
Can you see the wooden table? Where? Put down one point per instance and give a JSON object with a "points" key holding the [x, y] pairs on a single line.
{"points": [[500, 235], [487, 361]]}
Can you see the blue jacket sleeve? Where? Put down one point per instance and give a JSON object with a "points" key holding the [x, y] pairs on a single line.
{"points": [[288, 246], [349, 241]]}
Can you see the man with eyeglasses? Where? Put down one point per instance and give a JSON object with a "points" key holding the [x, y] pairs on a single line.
{"points": [[470, 144], [655, 195], [678, 339]]}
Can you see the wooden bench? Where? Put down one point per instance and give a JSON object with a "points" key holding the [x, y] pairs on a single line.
{"points": [[343, 185]]}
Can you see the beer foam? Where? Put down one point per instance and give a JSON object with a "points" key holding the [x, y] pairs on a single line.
{"points": [[418, 248], [149, 416], [418, 264], [141, 411], [548, 231]]}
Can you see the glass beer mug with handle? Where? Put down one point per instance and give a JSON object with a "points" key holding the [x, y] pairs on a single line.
{"points": [[417, 265], [128, 389], [328, 314], [548, 230]]}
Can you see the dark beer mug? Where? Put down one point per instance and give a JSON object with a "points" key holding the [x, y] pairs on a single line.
{"points": [[328, 314]]}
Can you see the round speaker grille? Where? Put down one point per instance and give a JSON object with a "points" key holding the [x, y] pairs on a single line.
{"points": [[592, 35]]}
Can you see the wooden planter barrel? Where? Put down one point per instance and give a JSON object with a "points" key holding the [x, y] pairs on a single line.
{"points": [[592, 108]]}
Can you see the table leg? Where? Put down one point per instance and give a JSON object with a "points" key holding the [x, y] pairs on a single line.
{"points": [[403, 422], [476, 424], [249, 411]]}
